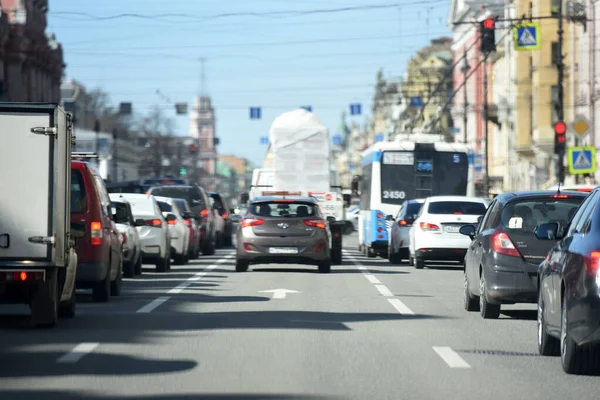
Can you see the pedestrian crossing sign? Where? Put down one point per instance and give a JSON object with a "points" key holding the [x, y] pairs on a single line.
{"points": [[526, 36], [582, 160]]}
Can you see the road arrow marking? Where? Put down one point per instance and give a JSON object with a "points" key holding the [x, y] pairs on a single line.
{"points": [[279, 293]]}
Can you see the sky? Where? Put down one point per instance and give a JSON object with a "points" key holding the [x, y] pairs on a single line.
{"points": [[275, 54]]}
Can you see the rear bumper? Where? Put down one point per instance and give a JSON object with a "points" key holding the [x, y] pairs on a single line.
{"points": [[584, 316], [92, 271], [510, 280], [441, 254], [260, 254]]}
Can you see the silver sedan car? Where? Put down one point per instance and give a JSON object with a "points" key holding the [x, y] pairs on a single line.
{"points": [[283, 230]]}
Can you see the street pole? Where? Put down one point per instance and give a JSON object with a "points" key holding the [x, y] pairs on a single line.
{"points": [[115, 163], [560, 167], [486, 177], [465, 71], [97, 130]]}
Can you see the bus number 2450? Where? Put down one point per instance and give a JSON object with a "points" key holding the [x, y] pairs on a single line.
{"points": [[394, 194]]}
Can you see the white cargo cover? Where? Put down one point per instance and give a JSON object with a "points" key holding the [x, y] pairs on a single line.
{"points": [[33, 170], [301, 152]]}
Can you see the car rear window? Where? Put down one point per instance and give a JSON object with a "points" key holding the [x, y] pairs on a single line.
{"points": [[525, 215], [413, 208], [181, 204], [193, 196], [284, 209], [457, 207], [218, 201], [165, 207], [122, 214], [79, 203]]}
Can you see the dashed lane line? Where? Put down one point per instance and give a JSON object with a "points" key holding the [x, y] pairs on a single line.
{"points": [[451, 357], [148, 308], [77, 353]]}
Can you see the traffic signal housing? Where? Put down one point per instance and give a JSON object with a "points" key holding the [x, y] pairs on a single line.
{"points": [[488, 35], [560, 140]]}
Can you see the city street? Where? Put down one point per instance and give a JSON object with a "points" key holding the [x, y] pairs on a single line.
{"points": [[368, 330]]}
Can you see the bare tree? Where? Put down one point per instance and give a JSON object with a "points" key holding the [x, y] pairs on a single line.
{"points": [[161, 149]]}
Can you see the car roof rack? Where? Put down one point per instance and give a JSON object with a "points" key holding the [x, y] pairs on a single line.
{"points": [[83, 155]]}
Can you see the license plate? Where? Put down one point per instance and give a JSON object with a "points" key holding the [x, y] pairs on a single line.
{"points": [[283, 250], [452, 229]]}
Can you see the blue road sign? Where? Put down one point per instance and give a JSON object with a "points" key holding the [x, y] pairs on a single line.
{"points": [[582, 160], [379, 137], [478, 161], [307, 108], [355, 109], [416, 101], [264, 140], [527, 36], [337, 139], [254, 112], [470, 158], [455, 130]]}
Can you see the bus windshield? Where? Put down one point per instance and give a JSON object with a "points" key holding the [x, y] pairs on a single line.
{"points": [[420, 174]]}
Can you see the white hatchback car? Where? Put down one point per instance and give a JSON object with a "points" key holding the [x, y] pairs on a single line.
{"points": [[178, 229], [132, 245], [154, 234], [435, 234]]}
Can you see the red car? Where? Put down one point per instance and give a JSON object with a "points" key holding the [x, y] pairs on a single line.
{"points": [[97, 241]]}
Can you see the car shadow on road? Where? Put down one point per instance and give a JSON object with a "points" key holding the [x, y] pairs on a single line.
{"points": [[81, 395], [528, 315]]}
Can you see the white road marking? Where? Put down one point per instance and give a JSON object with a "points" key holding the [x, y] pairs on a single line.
{"points": [[153, 304], [362, 268], [182, 286], [77, 353], [372, 279], [401, 307], [451, 357], [279, 293], [384, 291]]}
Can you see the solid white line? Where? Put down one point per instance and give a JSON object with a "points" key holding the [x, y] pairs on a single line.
{"points": [[363, 268], [179, 288], [451, 357], [400, 307], [153, 304], [372, 278], [77, 353], [384, 291]]}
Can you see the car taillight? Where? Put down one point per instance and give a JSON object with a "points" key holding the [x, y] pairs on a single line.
{"points": [[154, 222], [427, 227], [560, 196], [204, 213], [403, 222], [246, 222], [96, 233], [188, 222], [379, 215], [225, 215], [592, 263], [172, 222], [502, 244], [124, 238], [22, 276], [317, 223]]}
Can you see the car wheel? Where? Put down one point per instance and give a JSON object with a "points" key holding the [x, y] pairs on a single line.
{"points": [[547, 345], [115, 286], [336, 256], [138, 265], [44, 302], [486, 309], [419, 263], [129, 269], [241, 265], [163, 264], [394, 257], [325, 267], [471, 303], [209, 249], [66, 310], [179, 259], [101, 290]]}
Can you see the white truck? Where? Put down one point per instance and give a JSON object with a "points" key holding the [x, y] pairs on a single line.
{"points": [[301, 162], [38, 262]]}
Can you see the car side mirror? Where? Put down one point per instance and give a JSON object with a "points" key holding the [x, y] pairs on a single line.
{"points": [[548, 231], [171, 217], [139, 222], [389, 217], [467, 230], [330, 219], [410, 219]]}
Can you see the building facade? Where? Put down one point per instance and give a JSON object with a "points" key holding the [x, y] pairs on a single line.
{"points": [[31, 61]]}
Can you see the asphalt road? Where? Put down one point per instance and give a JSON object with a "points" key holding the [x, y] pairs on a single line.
{"points": [[368, 330]]}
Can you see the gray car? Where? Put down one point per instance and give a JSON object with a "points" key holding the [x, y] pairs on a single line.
{"points": [[283, 230]]}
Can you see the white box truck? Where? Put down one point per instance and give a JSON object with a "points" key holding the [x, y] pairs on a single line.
{"points": [[38, 262]]}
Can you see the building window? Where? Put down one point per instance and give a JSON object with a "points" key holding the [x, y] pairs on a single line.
{"points": [[554, 7], [554, 104], [555, 55]]}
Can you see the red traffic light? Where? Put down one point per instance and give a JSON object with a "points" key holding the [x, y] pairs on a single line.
{"points": [[489, 23], [560, 128]]}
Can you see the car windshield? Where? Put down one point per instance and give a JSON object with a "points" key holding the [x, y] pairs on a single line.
{"points": [[122, 214], [190, 194], [284, 209], [412, 209], [523, 216], [457, 207], [79, 202]]}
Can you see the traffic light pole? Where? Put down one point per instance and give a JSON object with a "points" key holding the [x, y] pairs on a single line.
{"points": [[560, 167], [486, 176]]}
